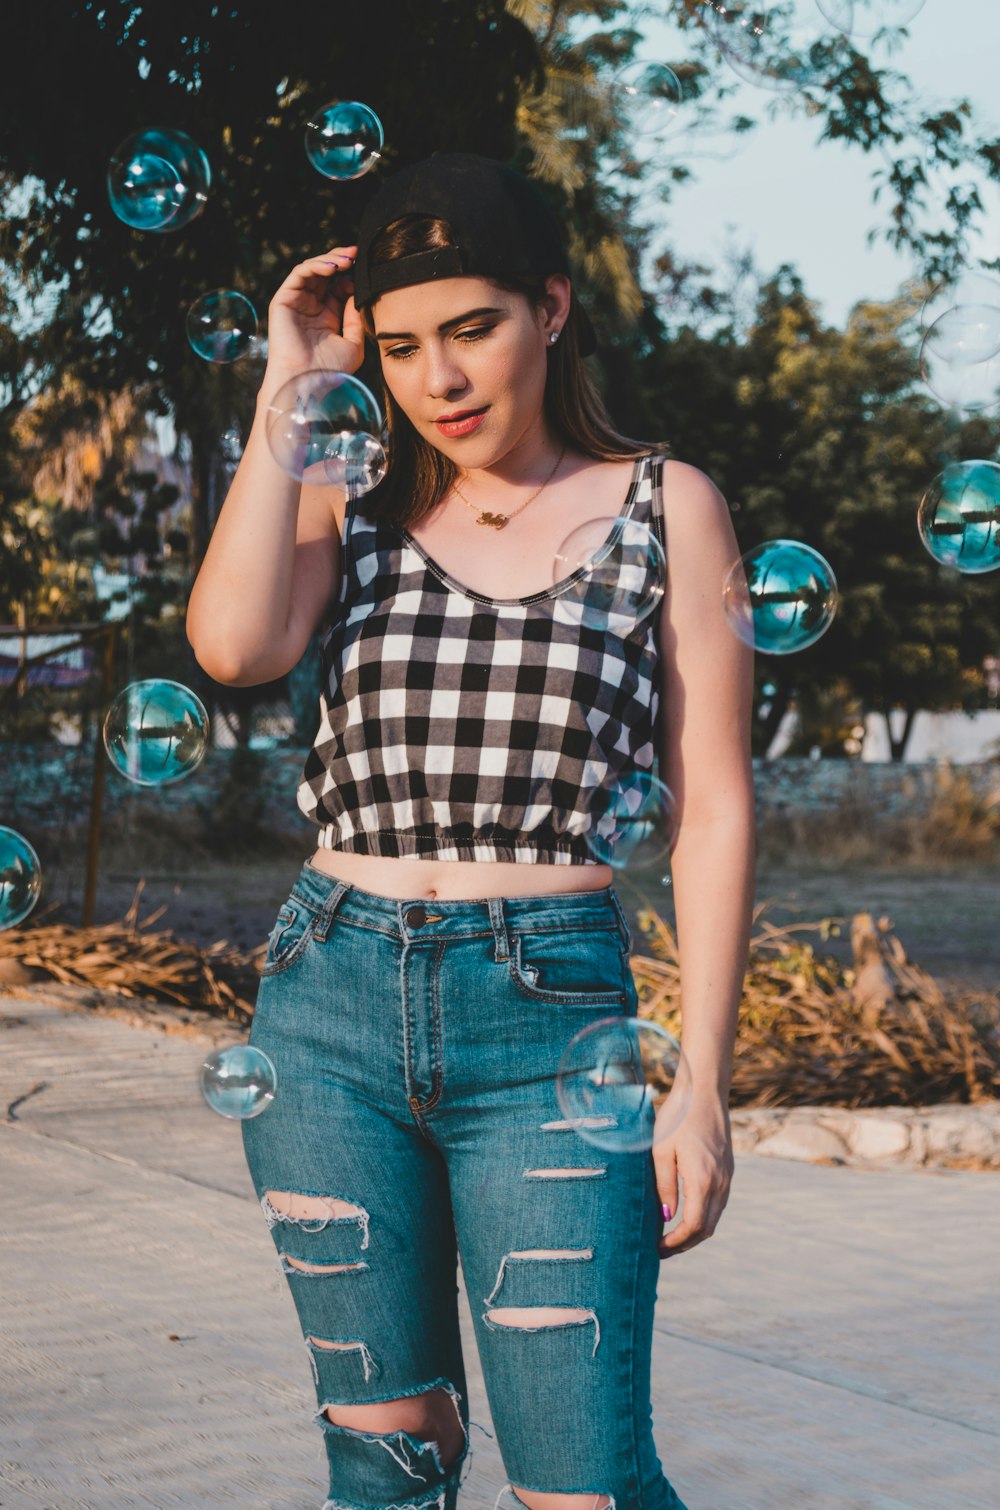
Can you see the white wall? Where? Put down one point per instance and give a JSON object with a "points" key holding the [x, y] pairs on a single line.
{"points": [[937, 736]]}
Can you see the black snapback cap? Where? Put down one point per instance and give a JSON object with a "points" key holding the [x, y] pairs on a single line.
{"points": [[502, 224]]}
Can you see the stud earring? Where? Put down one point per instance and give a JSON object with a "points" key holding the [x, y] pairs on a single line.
{"points": [[553, 338]]}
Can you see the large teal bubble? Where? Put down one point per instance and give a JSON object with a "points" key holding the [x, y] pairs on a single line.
{"points": [[310, 422], [239, 1081], [20, 878], [623, 1083], [158, 180], [611, 572], [344, 139], [774, 44], [633, 823], [959, 516], [155, 732], [780, 597], [864, 18], [221, 325]]}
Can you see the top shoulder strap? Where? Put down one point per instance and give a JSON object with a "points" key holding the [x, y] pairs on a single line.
{"points": [[656, 462]]}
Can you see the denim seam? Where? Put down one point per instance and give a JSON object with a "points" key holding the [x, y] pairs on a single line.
{"points": [[305, 902], [637, 1259], [294, 954], [564, 998], [438, 1084]]}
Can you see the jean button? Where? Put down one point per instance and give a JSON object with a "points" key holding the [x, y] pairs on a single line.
{"points": [[416, 917]]}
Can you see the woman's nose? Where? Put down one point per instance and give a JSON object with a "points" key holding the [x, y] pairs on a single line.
{"points": [[444, 375]]}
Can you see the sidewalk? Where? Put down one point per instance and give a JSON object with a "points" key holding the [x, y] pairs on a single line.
{"points": [[831, 1347]]}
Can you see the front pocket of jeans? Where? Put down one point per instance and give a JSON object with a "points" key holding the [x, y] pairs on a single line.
{"points": [[293, 928], [571, 968]]}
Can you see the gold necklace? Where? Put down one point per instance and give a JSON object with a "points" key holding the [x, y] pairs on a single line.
{"points": [[497, 521]]}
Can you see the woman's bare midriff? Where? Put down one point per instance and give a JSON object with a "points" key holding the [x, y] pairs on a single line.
{"points": [[457, 880]]}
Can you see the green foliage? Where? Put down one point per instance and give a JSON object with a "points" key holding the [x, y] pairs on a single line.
{"points": [[811, 432], [824, 436]]}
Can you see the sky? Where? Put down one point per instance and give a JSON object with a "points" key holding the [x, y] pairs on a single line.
{"points": [[790, 198]]}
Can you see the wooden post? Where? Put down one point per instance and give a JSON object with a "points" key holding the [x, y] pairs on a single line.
{"points": [[97, 782]]}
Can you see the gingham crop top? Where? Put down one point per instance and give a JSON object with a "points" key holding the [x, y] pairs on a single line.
{"points": [[460, 727]]}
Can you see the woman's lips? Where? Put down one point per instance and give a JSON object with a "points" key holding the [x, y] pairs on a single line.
{"points": [[464, 426]]}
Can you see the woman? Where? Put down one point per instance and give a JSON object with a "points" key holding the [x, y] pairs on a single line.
{"points": [[454, 930]]}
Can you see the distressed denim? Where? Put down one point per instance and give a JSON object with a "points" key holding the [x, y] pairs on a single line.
{"points": [[416, 1047]]}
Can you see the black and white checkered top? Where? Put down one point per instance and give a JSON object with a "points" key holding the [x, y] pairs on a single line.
{"points": [[460, 727]]}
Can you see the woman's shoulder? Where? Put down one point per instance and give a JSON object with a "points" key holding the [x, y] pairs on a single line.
{"points": [[681, 480]]}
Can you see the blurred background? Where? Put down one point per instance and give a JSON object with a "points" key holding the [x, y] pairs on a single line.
{"points": [[756, 233]]}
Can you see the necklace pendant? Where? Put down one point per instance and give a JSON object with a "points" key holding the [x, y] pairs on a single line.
{"points": [[496, 520]]}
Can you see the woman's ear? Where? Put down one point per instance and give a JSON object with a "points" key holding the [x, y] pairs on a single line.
{"points": [[556, 301]]}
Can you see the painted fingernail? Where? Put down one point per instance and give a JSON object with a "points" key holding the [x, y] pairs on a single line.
{"points": [[666, 1213]]}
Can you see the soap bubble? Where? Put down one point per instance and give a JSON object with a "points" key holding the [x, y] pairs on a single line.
{"points": [[777, 44], [971, 286], [231, 448], [649, 96], [965, 334], [239, 1081], [20, 878], [959, 516], [863, 18], [970, 386], [309, 419], [221, 326], [155, 732], [780, 597], [611, 1076], [344, 139], [633, 822], [355, 462], [611, 573], [158, 180]]}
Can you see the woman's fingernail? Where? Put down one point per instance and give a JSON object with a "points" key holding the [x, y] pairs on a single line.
{"points": [[666, 1213]]}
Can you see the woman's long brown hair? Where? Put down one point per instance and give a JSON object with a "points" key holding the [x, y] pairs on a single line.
{"points": [[418, 474]]}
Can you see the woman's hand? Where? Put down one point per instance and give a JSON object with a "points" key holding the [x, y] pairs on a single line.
{"points": [[700, 1151], [312, 322]]}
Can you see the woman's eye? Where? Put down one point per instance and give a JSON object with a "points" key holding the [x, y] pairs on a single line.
{"points": [[474, 333]]}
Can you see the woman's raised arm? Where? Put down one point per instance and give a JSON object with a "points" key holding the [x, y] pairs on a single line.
{"points": [[273, 564]]}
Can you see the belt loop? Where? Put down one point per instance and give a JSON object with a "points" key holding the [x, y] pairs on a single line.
{"points": [[623, 926], [501, 943], [330, 906]]}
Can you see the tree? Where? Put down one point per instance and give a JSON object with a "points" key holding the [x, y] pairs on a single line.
{"points": [[532, 82], [535, 82], [242, 82], [826, 436]]}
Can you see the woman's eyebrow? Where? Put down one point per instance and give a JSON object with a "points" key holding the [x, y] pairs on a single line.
{"points": [[407, 335]]}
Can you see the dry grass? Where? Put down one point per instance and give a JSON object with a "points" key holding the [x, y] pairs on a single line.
{"points": [[804, 1035], [807, 1031], [131, 958], [954, 824]]}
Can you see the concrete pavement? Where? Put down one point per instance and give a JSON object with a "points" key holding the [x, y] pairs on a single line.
{"points": [[832, 1347]]}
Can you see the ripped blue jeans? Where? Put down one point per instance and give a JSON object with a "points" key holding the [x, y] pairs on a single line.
{"points": [[416, 1046]]}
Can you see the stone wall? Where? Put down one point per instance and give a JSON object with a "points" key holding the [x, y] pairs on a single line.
{"points": [[45, 787]]}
